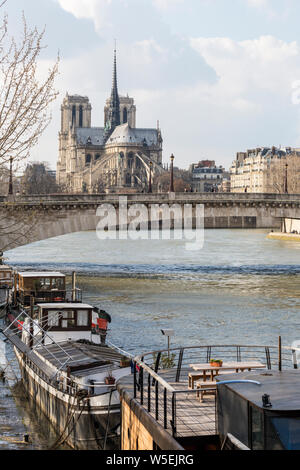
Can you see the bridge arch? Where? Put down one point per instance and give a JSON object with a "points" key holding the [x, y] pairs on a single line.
{"points": [[36, 218]]}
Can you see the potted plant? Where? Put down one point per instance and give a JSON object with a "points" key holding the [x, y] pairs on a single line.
{"points": [[216, 362], [125, 361], [110, 379]]}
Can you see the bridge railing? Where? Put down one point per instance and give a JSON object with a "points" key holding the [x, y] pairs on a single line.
{"points": [[63, 197]]}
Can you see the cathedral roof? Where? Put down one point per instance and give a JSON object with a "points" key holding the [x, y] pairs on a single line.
{"points": [[126, 134], [123, 134], [90, 135]]}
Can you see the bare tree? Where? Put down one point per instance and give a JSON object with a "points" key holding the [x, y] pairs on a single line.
{"points": [[24, 99], [282, 171], [24, 115], [181, 183], [38, 179]]}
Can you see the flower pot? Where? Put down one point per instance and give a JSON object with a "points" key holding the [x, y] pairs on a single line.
{"points": [[110, 380], [216, 363]]}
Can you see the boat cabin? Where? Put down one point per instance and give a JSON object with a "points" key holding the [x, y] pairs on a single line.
{"points": [[42, 286], [6, 277], [264, 416], [66, 320]]}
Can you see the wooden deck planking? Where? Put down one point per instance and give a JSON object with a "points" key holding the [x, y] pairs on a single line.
{"points": [[193, 418]]}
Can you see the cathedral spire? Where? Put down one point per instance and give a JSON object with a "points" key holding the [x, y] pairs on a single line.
{"points": [[113, 117], [114, 91]]}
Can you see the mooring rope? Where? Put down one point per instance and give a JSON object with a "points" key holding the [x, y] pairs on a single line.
{"points": [[59, 440], [108, 414]]}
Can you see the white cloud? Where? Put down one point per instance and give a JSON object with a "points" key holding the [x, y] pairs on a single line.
{"points": [[213, 96], [258, 3], [166, 4], [246, 68]]}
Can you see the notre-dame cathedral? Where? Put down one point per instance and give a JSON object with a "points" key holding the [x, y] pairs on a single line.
{"points": [[115, 157]]}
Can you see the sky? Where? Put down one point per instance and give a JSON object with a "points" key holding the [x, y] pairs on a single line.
{"points": [[221, 76]]}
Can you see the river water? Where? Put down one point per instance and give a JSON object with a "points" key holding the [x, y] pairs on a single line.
{"points": [[239, 288]]}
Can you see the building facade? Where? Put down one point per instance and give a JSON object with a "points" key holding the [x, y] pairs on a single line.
{"points": [[116, 157], [207, 177], [266, 170]]}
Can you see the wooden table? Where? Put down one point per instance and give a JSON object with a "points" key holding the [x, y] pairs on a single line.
{"points": [[208, 369]]}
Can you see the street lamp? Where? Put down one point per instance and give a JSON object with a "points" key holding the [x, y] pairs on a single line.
{"points": [[150, 178], [168, 333], [10, 186], [172, 174], [286, 179]]}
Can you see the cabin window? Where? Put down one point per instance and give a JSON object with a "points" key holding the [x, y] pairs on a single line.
{"points": [[53, 318], [57, 283], [257, 429], [283, 433], [43, 284], [68, 319], [82, 318]]}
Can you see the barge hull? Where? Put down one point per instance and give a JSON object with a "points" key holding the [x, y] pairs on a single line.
{"points": [[82, 428]]}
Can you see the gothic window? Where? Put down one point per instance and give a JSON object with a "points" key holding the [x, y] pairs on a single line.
{"points": [[125, 115], [138, 163], [88, 159], [128, 179], [80, 116], [97, 156], [73, 114], [130, 160]]}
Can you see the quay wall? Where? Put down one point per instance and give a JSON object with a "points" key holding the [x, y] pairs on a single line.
{"points": [[139, 430]]}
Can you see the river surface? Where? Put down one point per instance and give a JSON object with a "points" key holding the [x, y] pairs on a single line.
{"points": [[239, 288]]}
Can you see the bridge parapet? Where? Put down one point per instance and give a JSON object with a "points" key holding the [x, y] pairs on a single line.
{"points": [[157, 198]]}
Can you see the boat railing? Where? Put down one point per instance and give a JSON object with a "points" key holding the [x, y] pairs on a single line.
{"points": [[54, 295], [37, 334], [160, 379], [121, 351], [74, 295]]}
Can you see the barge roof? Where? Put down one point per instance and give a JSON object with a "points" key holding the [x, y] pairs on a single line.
{"points": [[63, 305], [41, 274], [282, 387], [85, 357]]}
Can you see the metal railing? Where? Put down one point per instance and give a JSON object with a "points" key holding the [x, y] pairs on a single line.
{"points": [[160, 380], [49, 296]]}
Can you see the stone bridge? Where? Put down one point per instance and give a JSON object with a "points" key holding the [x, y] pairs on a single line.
{"points": [[30, 218]]}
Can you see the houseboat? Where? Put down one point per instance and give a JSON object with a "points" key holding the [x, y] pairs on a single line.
{"points": [[30, 288], [263, 417], [289, 231], [66, 365], [214, 397], [70, 376], [6, 277], [6, 283]]}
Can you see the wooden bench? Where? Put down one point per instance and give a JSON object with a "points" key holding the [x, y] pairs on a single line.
{"points": [[203, 386], [193, 377]]}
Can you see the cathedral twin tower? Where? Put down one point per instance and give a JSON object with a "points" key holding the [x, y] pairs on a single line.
{"points": [[113, 158]]}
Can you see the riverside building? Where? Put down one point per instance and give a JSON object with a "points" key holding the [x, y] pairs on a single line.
{"points": [[266, 170]]}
